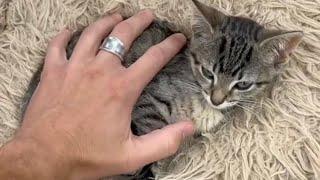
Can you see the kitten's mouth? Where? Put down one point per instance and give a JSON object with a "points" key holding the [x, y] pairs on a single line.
{"points": [[225, 105]]}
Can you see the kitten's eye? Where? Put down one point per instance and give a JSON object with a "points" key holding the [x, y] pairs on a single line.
{"points": [[206, 73], [244, 86]]}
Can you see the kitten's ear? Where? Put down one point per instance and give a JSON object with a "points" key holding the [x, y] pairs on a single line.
{"points": [[212, 15], [283, 42]]}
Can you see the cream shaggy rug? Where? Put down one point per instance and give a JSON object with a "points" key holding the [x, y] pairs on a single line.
{"points": [[282, 141]]}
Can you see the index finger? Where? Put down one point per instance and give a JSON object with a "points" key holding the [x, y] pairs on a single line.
{"points": [[143, 71]]}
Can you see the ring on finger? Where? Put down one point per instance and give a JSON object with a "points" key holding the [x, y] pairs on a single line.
{"points": [[114, 46]]}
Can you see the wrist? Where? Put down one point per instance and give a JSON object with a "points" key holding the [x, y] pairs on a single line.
{"points": [[28, 160]]}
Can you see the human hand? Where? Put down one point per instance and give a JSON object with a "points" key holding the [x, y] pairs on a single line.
{"points": [[77, 125]]}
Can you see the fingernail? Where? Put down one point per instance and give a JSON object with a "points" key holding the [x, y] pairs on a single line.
{"points": [[181, 37], [147, 12], [117, 16], [188, 130], [66, 30]]}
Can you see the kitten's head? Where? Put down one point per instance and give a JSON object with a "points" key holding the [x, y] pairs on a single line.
{"points": [[234, 59]]}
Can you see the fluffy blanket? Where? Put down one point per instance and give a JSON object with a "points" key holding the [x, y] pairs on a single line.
{"points": [[281, 141]]}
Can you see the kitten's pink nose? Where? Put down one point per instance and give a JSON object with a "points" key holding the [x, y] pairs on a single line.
{"points": [[218, 97]]}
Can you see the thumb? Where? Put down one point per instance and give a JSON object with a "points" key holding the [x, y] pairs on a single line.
{"points": [[160, 144]]}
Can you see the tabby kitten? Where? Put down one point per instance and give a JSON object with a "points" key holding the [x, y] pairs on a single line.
{"points": [[229, 62]]}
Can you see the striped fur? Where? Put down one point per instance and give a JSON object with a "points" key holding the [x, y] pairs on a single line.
{"points": [[231, 51]]}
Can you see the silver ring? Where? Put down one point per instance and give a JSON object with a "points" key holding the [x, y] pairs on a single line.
{"points": [[114, 46]]}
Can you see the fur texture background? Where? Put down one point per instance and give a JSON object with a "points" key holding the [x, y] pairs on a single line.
{"points": [[281, 141]]}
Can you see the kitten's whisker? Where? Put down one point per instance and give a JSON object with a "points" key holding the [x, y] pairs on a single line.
{"points": [[188, 85], [249, 106], [249, 102], [251, 111]]}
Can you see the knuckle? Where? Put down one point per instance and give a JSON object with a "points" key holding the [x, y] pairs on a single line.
{"points": [[124, 28]]}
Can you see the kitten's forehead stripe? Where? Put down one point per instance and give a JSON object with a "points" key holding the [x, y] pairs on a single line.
{"points": [[236, 44], [249, 54], [222, 44], [237, 69]]}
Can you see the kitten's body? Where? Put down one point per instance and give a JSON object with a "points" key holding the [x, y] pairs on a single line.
{"points": [[235, 51]]}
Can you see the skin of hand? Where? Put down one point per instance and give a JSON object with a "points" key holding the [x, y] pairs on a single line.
{"points": [[77, 125]]}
